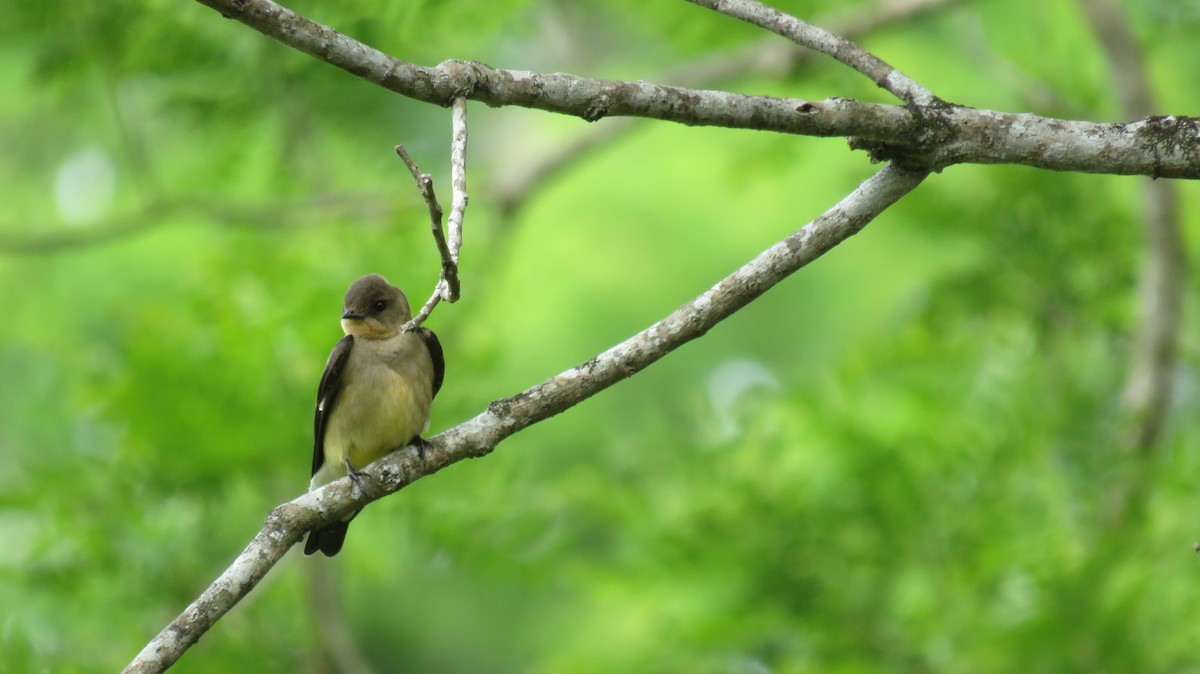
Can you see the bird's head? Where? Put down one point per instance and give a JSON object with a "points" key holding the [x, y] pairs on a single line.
{"points": [[374, 308]]}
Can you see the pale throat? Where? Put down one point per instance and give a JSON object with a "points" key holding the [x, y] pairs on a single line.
{"points": [[368, 329]]}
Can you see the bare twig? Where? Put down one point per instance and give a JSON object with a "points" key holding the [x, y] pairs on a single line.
{"points": [[775, 58], [458, 201], [286, 524], [447, 287], [425, 187], [425, 310], [942, 135], [883, 75]]}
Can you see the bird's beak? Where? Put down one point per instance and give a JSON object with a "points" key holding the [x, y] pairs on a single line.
{"points": [[352, 315]]}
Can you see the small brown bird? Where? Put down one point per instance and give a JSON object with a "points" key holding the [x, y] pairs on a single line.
{"points": [[375, 394]]}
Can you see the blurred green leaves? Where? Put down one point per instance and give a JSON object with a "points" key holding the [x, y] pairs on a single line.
{"points": [[902, 459]]}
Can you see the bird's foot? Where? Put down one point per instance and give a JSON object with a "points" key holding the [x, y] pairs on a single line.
{"points": [[423, 446], [355, 476]]}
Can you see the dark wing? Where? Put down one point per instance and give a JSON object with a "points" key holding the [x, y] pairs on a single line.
{"points": [[435, 353], [327, 393]]}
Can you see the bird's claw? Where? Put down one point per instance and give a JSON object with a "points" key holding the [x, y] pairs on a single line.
{"points": [[423, 446], [356, 476]]}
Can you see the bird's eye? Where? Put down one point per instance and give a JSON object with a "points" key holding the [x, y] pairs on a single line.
{"points": [[380, 305]]}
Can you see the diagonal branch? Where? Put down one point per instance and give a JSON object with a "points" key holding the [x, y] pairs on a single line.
{"points": [[476, 437], [942, 135], [818, 39]]}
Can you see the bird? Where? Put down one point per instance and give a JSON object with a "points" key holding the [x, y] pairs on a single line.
{"points": [[374, 395]]}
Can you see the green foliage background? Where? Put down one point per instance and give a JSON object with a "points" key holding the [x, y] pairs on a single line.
{"points": [[903, 459]]}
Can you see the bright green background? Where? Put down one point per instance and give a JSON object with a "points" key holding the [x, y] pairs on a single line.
{"points": [[903, 459]]}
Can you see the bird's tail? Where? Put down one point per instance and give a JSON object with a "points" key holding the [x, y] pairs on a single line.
{"points": [[328, 540]]}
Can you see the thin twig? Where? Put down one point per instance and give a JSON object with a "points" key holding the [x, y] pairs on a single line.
{"points": [[478, 436], [818, 39], [425, 310], [458, 200], [425, 187]]}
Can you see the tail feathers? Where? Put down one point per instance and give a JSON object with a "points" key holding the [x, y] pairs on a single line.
{"points": [[328, 541]]}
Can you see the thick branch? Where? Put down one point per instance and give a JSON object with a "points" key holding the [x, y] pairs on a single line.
{"points": [[480, 435], [930, 136]]}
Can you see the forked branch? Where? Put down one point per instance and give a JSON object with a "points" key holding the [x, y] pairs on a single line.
{"points": [[448, 287]]}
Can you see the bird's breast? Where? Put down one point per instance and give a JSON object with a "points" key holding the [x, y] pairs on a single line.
{"points": [[383, 404]]}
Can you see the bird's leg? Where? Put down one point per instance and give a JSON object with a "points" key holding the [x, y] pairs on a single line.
{"points": [[355, 476], [422, 446]]}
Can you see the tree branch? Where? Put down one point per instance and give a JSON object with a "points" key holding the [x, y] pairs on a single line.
{"points": [[286, 524], [447, 288], [933, 136], [424, 183], [458, 199], [807, 35]]}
